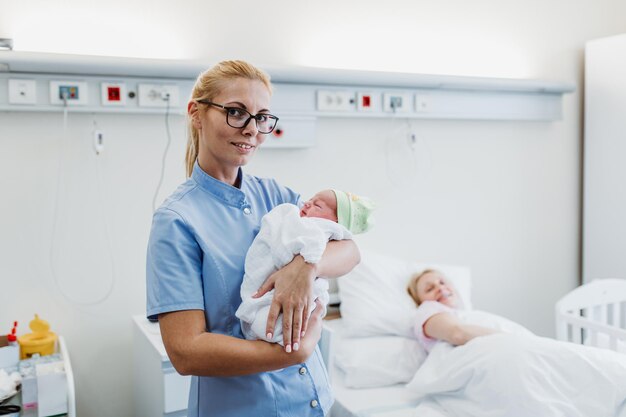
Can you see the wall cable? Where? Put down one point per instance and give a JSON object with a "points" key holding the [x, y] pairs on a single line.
{"points": [[166, 98], [107, 231], [410, 140], [56, 218]]}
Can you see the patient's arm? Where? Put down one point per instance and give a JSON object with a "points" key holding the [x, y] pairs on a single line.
{"points": [[448, 327]]}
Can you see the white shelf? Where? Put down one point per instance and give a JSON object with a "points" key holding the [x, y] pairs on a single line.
{"points": [[31, 62], [446, 97], [158, 389], [69, 374]]}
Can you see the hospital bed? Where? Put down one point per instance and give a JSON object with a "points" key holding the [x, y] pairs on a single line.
{"points": [[385, 401], [373, 385], [369, 372]]}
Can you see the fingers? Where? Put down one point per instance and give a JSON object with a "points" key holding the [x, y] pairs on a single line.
{"points": [[271, 320], [297, 327], [293, 320], [287, 321], [267, 286], [305, 321], [306, 316]]}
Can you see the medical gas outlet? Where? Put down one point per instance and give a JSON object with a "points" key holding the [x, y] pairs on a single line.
{"points": [[397, 102], [68, 93]]}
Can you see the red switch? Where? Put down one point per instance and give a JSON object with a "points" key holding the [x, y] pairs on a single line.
{"points": [[366, 101], [114, 93]]}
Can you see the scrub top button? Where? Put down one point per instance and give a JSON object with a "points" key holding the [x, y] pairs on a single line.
{"points": [[302, 371], [314, 403], [247, 211]]}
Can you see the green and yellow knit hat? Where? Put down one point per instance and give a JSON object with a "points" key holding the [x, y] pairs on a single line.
{"points": [[354, 212]]}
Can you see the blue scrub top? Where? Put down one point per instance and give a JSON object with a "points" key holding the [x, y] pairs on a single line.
{"points": [[198, 244]]}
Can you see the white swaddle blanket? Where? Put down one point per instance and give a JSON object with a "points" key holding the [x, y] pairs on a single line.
{"points": [[283, 235]]}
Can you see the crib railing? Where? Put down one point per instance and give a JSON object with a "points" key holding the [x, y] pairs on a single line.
{"points": [[594, 314]]}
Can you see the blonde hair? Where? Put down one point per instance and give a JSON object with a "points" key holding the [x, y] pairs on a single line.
{"points": [[412, 286], [208, 85]]}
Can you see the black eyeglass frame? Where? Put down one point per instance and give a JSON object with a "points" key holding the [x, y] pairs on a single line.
{"points": [[250, 116]]}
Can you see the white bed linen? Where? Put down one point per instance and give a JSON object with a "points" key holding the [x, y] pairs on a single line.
{"points": [[372, 362], [511, 375], [389, 401]]}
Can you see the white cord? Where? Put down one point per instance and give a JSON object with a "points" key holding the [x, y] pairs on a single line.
{"points": [[167, 147], [107, 232], [396, 176], [56, 217]]}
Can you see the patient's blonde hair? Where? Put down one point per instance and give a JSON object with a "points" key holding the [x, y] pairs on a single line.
{"points": [[412, 287], [209, 85]]}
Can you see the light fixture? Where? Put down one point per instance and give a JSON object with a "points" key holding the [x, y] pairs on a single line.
{"points": [[6, 44]]}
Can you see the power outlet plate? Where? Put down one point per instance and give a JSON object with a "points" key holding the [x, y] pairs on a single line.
{"points": [[22, 91], [335, 100], [423, 103], [157, 95]]}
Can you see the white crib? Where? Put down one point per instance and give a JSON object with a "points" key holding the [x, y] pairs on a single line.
{"points": [[594, 314]]}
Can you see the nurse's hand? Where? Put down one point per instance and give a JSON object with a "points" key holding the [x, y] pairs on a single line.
{"points": [[293, 285], [312, 337]]}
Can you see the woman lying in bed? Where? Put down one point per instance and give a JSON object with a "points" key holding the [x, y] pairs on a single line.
{"points": [[506, 374], [437, 319]]}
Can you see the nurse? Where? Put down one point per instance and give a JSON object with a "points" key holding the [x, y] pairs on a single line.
{"points": [[195, 264]]}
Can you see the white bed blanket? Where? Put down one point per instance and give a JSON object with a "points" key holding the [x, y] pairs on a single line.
{"points": [[513, 375], [283, 235]]}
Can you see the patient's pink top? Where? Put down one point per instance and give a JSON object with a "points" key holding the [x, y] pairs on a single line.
{"points": [[425, 311]]}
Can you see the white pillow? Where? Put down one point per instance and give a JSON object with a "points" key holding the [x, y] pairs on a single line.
{"points": [[374, 300], [370, 362]]}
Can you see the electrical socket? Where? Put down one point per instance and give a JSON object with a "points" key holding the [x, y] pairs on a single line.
{"points": [[335, 100], [422, 103], [22, 92], [157, 95]]}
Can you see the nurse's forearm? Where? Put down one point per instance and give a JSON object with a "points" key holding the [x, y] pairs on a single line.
{"points": [[339, 258], [193, 351], [213, 354]]}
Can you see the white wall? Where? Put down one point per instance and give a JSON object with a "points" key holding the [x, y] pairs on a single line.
{"points": [[501, 197]]}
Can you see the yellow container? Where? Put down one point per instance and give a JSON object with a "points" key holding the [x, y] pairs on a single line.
{"points": [[41, 340]]}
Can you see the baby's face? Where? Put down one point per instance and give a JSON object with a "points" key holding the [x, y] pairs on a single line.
{"points": [[322, 205], [433, 287]]}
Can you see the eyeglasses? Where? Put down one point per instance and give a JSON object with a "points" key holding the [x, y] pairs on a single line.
{"points": [[239, 118]]}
